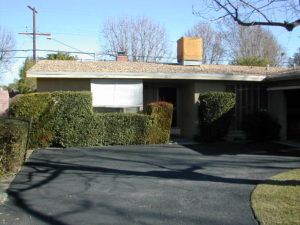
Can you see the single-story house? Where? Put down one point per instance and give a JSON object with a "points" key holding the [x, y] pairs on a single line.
{"points": [[128, 86]]}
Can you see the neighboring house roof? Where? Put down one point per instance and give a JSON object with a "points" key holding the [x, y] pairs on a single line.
{"points": [[143, 70], [285, 75]]}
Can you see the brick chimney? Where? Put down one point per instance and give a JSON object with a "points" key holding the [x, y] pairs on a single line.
{"points": [[122, 57], [189, 51]]}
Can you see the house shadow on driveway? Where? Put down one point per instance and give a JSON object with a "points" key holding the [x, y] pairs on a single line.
{"points": [[140, 185]]}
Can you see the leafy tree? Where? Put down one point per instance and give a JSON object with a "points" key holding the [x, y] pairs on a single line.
{"points": [[13, 87], [281, 13], [251, 61], [26, 85], [213, 44], [60, 56]]}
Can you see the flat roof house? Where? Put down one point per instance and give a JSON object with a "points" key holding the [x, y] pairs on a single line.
{"points": [[129, 86]]}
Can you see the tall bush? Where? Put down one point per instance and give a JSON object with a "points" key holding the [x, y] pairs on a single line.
{"points": [[215, 113], [35, 107], [70, 113], [162, 113], [13, 140], [58, 118]]}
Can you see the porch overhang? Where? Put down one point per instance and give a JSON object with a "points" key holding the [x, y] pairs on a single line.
{"points": [[148, 76], [282, 77]]}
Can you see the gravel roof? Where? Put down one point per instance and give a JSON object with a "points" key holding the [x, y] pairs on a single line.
{"points": [[140, 67]]}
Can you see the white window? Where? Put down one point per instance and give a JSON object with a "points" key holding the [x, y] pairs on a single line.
{"points": [[117, 93]]}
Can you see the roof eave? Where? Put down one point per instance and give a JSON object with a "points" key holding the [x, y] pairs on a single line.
{"points": [[147, 75], [280, 77]]}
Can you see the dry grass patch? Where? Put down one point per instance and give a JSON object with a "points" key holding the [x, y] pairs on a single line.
{"points": [[277, 201]]}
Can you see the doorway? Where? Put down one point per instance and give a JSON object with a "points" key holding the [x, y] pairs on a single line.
{"points": [[169, 94], [293, 114]]}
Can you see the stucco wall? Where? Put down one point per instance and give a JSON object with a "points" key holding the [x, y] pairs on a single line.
{"points": [[187, 98], [204, 86], [188, 109], [63, 84], [150, 94]]}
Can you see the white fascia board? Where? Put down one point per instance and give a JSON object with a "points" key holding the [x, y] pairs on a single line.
{"points": [[283, 77], [144, 76], [281, 88]]}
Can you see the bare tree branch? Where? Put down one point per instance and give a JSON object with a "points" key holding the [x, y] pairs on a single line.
{"points": [[285, 24], [213, 48], [7, 43], [140, 38], [244, 42], [256, 9], [257, 13]]}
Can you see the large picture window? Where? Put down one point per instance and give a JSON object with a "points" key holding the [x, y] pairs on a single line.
{"points": [[117, 93]]}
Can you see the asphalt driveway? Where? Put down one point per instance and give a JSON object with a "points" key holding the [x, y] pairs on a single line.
{"points": [[167, 184]]}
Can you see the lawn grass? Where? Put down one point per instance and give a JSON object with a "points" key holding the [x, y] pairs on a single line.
{"points": [[277, 201]]}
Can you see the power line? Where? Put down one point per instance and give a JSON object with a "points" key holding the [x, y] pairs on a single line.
{"points": [[47, 50], [79, 51], [62, 43], [55, 51]]}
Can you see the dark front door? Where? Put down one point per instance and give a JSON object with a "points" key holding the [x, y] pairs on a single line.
{"points": [[169, 94], [293, 114]]}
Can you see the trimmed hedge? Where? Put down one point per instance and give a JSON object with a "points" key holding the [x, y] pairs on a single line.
{"points": [[56, 117], [13, 140], [162, 113], [69, 116], [120, 129], [66, 119], [261, 126], [215, 114]]}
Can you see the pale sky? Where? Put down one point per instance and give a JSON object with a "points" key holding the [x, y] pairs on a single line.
{"points": [[78, 24]]}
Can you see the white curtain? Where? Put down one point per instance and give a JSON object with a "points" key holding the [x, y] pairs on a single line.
{"points": [[117, 93]]}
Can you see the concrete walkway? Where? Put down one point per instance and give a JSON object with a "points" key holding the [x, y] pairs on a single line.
{"points": [[168, 184]]}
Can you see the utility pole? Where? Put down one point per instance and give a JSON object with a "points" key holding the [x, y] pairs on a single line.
{"points": [[34, 12]]}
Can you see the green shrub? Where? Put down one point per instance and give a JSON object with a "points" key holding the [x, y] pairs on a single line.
{"points": [[215, 113], [260, 126], [251, 61], [162, 113], [66, 119], [35, 107], [69, 114], [120, 129], [13, 140], [58, 118]]}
